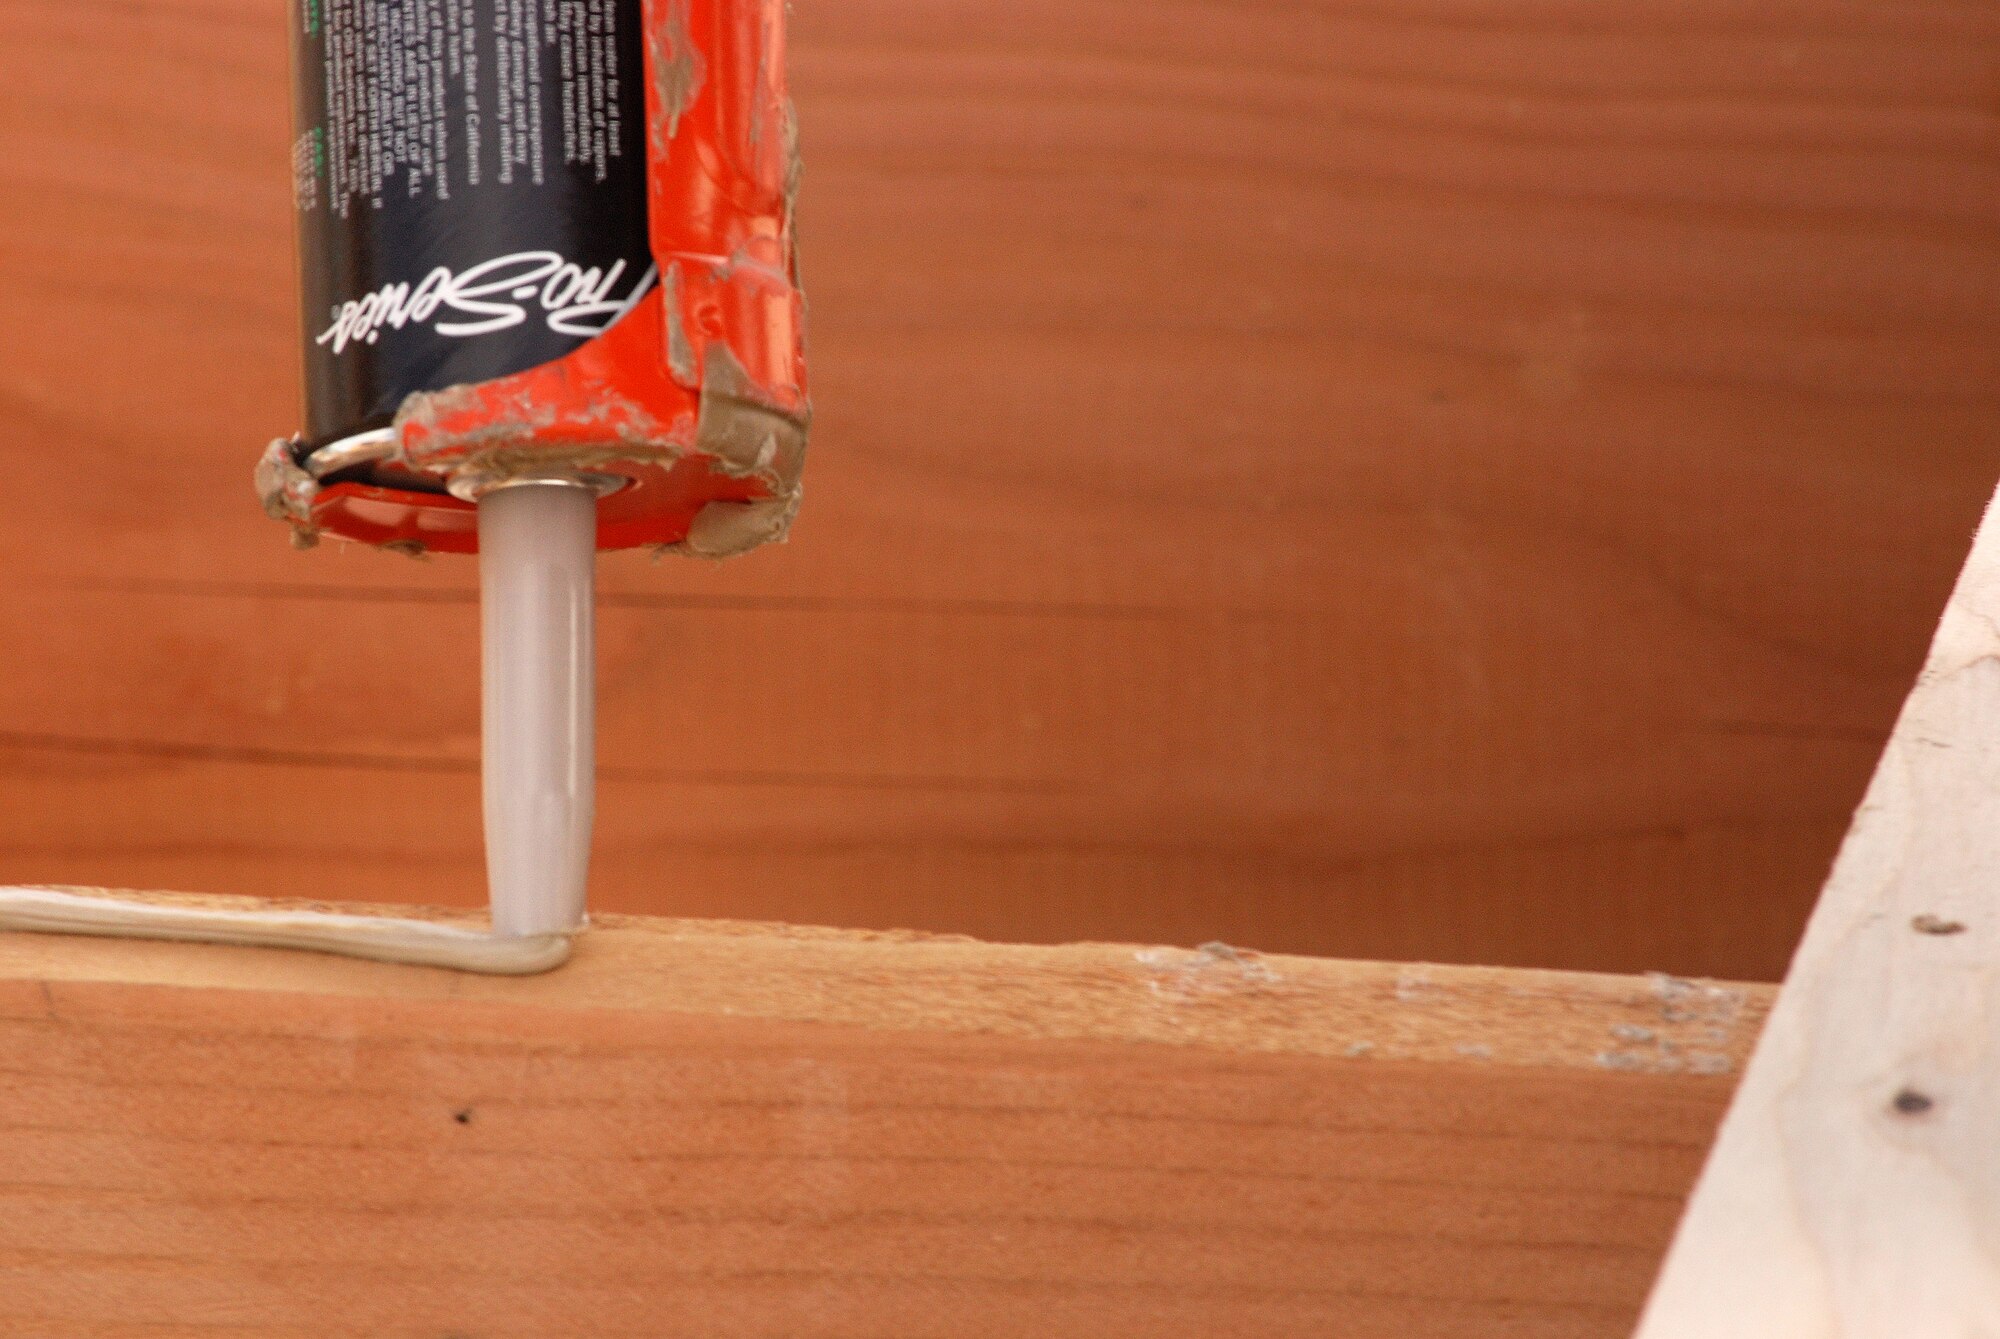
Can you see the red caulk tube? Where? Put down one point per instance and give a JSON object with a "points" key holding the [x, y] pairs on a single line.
{"points": [[550, 305], [545, 234]]}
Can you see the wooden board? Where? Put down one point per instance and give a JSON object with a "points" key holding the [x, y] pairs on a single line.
{"points": [[1431, 479], [1853, 1190], [705, 1128]]}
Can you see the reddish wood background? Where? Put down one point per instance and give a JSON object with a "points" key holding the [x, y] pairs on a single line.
{"points": [[1422, 479]]}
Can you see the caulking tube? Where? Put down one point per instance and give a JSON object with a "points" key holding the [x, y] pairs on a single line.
{"points": [[550, 305]]}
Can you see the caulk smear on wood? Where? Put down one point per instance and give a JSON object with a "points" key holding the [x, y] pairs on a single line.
{"points": [[379, 938]]}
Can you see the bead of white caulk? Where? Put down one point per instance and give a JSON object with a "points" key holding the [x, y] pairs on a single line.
{"points": [[537, 559]]}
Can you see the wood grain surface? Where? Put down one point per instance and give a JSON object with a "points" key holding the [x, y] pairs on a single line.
{"points": [[702, 1128], [1420, 479]]}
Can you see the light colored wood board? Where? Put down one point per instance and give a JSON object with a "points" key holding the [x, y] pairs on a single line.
{"points": [[1611, 392], [1216, 995], [1853, 1188], [706, 1128]]}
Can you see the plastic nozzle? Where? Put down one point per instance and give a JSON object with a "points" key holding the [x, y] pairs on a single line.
{"points": [[537, 564]]}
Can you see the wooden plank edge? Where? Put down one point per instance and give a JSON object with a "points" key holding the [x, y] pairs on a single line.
{"points": [[1213, 996], [1854, 1187]]}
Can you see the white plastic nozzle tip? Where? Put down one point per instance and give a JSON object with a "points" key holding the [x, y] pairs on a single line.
{"points": [[537, 561]]}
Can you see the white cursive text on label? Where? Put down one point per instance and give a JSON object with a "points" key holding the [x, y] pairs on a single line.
{"points": [[492, 295]]}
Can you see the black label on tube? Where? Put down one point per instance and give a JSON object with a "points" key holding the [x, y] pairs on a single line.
{"points": [[470, 177]]}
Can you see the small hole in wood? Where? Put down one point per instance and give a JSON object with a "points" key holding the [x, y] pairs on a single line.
{"points": [[1936, 925], [1910, 1102]]}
